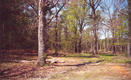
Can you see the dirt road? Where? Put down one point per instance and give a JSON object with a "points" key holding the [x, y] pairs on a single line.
{"points": [[67, 68]]}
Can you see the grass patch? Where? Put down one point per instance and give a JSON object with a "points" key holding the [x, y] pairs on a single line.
{"points": [[128, 61], [82, 55], [106, 57], [121, 59], [109, 55], [111, 58], [90, 58], [115, 58]]}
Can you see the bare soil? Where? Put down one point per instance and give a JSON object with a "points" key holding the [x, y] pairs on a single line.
{"points": [[18, 67]]}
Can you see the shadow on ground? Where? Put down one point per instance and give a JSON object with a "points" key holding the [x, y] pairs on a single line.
{"points": [[81, 64], [15, 57], [18, 71], [7, 56]]}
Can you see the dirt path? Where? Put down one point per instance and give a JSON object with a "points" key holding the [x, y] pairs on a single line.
{"points": [[95, 72], [77, 69], [69, 68]]}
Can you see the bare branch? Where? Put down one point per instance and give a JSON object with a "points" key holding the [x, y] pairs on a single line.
{"points": [[31, 5]]}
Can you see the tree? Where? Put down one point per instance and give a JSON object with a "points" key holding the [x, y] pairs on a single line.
{"points": [[82, 21], [44, 11], [16, 29], [70, 30], [56, 27], [94, 4], [113, 10], [41, 31], [77, 22], [129, 29]]}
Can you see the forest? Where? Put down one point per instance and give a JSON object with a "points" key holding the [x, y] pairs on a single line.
{"points": [[65, 39]]}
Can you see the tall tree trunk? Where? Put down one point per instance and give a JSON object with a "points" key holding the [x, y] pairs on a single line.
{"points": [[129, 30], [94, 30], [2, 25], [75, 41], [95, 41], [105, 50], [1, 36], [41, 44], [60, 45], [91, 50], [56, 36], [66, 35], [75, 45], [87, 46], [79, 44], [93, 4], [105, 45], [113, 42], [56, 43]]}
